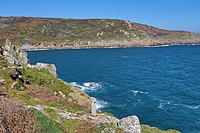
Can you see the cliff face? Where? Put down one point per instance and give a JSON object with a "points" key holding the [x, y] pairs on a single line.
{"points": [[81, 33]]}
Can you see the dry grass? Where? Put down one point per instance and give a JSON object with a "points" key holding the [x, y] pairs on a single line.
{"points": [[14, 118]]}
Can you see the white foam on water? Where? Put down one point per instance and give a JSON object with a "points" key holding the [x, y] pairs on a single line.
{"points": [[75, 84], [163, 103], [160, 45], [188, 106], [101, 104], [138, 91], [87, 85], [92, 85]]}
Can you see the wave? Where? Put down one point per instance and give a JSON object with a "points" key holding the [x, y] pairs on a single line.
{"points": [[75, 84], [87, 85], [138, 91], [166, 45], [92, 85], [165, 102], [101, 104], [189, 106]]}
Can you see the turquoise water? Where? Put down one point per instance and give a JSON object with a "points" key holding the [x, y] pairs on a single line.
{"points": [[161, 85]]}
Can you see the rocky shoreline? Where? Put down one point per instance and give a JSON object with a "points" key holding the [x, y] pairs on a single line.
{"points": [[16, 66], [35, 48]]}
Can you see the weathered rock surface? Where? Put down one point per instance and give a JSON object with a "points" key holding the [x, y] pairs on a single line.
{"points": [[27, 46], [50, 67], [17, 57], [130, 124], [23, 57], [106, 119], [14, 56]]}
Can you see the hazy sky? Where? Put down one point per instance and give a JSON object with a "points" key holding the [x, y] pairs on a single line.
{"points": [[167, 14]]}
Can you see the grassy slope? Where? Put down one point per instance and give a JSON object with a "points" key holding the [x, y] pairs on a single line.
{"points": [[71, 32], [148, 129]]}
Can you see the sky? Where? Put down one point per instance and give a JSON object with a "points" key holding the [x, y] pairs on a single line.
{"points": [[166, 14]]}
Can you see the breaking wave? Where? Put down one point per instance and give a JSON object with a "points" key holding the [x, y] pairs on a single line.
{"points": [[162, 103], [138, 91], [87, 85], [101, 104]]}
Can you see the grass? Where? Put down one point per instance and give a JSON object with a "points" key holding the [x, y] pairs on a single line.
{"points": [[46, 125], [79, 126], [45, 79], [148, 129], [51, 112], [71, 125]]}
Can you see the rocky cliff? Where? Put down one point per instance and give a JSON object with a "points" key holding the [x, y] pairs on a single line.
{"points": [[32, 99], [38, 33]]}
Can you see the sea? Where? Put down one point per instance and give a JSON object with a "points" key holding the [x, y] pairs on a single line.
{"points": [[160, 85]]}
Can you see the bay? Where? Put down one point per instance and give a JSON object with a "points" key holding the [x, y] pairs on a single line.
{"points": [[161, 85]]}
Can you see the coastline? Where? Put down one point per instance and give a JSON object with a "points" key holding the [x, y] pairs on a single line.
{"points": [[115, 47]]}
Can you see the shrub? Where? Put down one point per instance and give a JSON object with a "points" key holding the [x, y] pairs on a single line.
{"points": [[15, 118]]}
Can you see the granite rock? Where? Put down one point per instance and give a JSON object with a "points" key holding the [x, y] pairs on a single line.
{"points": [[130, 124]]}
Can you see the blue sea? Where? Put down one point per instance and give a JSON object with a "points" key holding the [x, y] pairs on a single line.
{"points": [[161, 85]]}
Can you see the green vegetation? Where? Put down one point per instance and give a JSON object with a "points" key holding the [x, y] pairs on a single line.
{"points": [[45, 124], [45, 79], [148, 129], [79, 126], [51, 112], [70, 32], [71, 125], [110, 127]]}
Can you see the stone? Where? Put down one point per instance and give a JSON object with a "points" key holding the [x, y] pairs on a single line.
{"points": [[9, 52], [28, 46], [23, 57], [130, 124], [50, 67], [106, 119], [9, 47], [11, 60], [93, 106]]}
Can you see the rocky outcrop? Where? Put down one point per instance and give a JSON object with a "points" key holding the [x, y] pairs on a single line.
{"points": [[130, 124], [28, 47], [22, 57], [15, 57], [50, 67]]}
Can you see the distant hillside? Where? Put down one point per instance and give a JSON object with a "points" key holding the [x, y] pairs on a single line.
{"points": [[70, 33]]}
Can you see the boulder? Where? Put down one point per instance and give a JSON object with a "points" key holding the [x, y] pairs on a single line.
{"points": [[9, 52], [130, 124], [9, 47], [23, 57]]}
